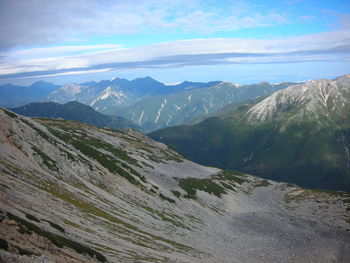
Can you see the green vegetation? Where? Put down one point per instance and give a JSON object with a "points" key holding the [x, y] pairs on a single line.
{"points": [[163, 197], [123, 226], [230, 175], [190, 185], [88, 146], [40, 132], [51, 164], [227, 186], [119, 153], [33, 218], [104, 160], [10, 113], [3, 243], [57, 240], [263, 183], [172, 157], [176, 193], [59, 228], [22, 251]]}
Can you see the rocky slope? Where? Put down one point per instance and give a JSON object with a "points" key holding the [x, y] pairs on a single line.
{"points": [[300, 134], [76, 193], [311, 100]]}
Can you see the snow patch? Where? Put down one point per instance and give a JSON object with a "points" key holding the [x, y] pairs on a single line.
{"points": [[139, 121], [160, 110], [119, 97]]}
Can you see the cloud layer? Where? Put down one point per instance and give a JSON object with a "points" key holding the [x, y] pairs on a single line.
{"points": [[330, 46], [57, 37], [38, 22]]}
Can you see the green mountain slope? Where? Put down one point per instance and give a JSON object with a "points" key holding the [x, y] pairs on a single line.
{"points": [[73, 111], [300, 134], [180, 108]]}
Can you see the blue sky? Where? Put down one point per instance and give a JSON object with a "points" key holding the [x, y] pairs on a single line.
{"points": [[239, 41]]}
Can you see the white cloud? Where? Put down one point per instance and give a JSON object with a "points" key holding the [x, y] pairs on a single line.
{"points": [[49, 52], [81, 72], [37, 22], [330, 46]]}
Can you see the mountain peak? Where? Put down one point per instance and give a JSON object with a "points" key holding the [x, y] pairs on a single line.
{"points": [[112, 95], [311, 99], [39, 82], [72, 88], [146, 80]]}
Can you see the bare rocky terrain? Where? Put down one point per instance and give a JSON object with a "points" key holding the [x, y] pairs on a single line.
{"points": [[70, 192]]}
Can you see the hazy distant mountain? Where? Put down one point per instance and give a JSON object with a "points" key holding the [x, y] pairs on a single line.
{"points": [[73, 111], [71, 192], [13, 96], [300, 134], [178, 108], [148, 103], [108, 95]]}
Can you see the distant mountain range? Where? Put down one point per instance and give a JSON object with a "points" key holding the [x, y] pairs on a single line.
{"points": [[300, 134], [73, 111], [109, 95], [14, 96], [161, 111], [148, 103]]}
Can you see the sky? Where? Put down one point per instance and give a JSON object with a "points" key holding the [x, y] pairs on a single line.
{"points": [[242, 41]]}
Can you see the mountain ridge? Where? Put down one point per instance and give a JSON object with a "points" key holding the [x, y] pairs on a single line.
{"points": [[180, 108], [73, 111], [130, 92]]}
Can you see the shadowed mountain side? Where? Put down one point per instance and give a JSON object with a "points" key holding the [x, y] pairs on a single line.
{"points": [[73, 111]]}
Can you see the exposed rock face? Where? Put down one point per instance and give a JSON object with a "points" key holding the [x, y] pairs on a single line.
{"points": [[312, 99], [71, 192]]}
